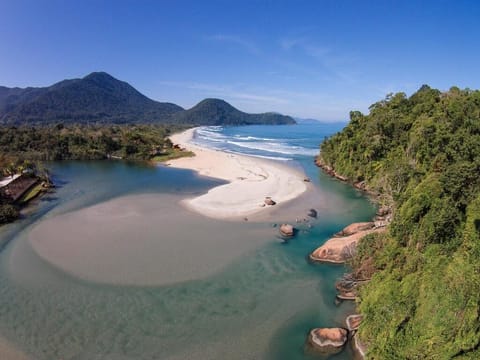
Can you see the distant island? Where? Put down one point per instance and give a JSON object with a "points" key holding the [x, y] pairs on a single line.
{"points": [[99, 98]]}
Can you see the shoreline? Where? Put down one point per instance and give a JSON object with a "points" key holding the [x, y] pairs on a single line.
{"points": [[250, 181], [342, 247]]}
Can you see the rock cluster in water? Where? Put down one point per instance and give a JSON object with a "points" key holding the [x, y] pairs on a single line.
{"points": [[328, 340]]}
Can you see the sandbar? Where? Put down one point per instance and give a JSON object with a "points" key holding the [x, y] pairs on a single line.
{"points": [[251, 180], [147, 239]]}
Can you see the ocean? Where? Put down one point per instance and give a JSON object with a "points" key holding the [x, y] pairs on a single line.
{"points": [[259, 305]]}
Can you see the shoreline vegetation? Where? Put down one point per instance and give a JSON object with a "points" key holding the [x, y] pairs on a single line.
{"points": [[24, 149], [416, 284]]}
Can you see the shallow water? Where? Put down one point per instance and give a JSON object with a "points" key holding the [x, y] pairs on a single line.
{"points": [[260, 305]]}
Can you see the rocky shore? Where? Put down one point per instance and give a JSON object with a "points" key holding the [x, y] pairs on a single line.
{"points": [[340, 249]]}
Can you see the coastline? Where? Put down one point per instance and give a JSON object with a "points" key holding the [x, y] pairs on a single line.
{"points": [[342, 247], [250, 181]]}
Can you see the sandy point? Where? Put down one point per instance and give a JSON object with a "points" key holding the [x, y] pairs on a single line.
{"points": [[251, 180]]}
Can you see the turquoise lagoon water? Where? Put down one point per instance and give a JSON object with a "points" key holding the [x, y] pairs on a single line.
{"points": [[261, 306]]}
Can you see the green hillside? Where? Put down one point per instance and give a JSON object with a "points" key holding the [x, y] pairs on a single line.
{"points": [[219, 112], [96, 98], [421, 156], [99, 98]]}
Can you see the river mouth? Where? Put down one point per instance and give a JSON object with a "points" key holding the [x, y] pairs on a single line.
{"points": [[142, 240], [253, 298]]}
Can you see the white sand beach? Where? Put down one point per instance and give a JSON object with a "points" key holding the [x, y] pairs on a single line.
{"points": [[250, 180]]}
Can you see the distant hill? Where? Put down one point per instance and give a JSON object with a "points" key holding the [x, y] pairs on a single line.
{"points": [[319, 122], [307, 121], [100, 98], [219, 112]]}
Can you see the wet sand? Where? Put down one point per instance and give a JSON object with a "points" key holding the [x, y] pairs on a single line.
{"points": [[143, 240], [10, 352]]}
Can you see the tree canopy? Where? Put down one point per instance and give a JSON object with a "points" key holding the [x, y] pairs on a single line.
{"points": [[420, 155]]}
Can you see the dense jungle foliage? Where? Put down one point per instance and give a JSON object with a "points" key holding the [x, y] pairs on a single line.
{"points": [[421, 156], [83, 142]]}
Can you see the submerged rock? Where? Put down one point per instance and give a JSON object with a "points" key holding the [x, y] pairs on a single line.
{"points": [[328, 340]]}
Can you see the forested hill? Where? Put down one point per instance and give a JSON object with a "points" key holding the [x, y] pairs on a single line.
{"points": [[421, 155], [219, 112], [99, 98]]}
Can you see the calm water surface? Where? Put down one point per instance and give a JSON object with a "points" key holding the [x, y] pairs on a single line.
{"points": [[261, 306]]}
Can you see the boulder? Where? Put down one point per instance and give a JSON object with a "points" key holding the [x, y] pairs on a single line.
{"points": [[269, 201], [348, 295], [379, 224], [306, 179], [328, 340], [355, 228], [341, 177], [338, 250], [353, 322], [312, 213], [361, 185], [359, 348], [383, 211], [287, 230]]}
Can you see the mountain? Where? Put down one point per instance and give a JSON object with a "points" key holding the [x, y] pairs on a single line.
{"points": [[219, 112], [100, 98], [97, 97]]}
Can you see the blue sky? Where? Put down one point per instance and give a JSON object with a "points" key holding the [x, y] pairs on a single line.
{"points": [[317, 59]]}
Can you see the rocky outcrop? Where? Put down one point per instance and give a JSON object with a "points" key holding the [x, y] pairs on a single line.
{"points": [[353, 322], [287, 230], [340, 249], [355, 228], [347, 287], [383, 211], [269, 201], [328, 340], [329, 170], [360, 185]]}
